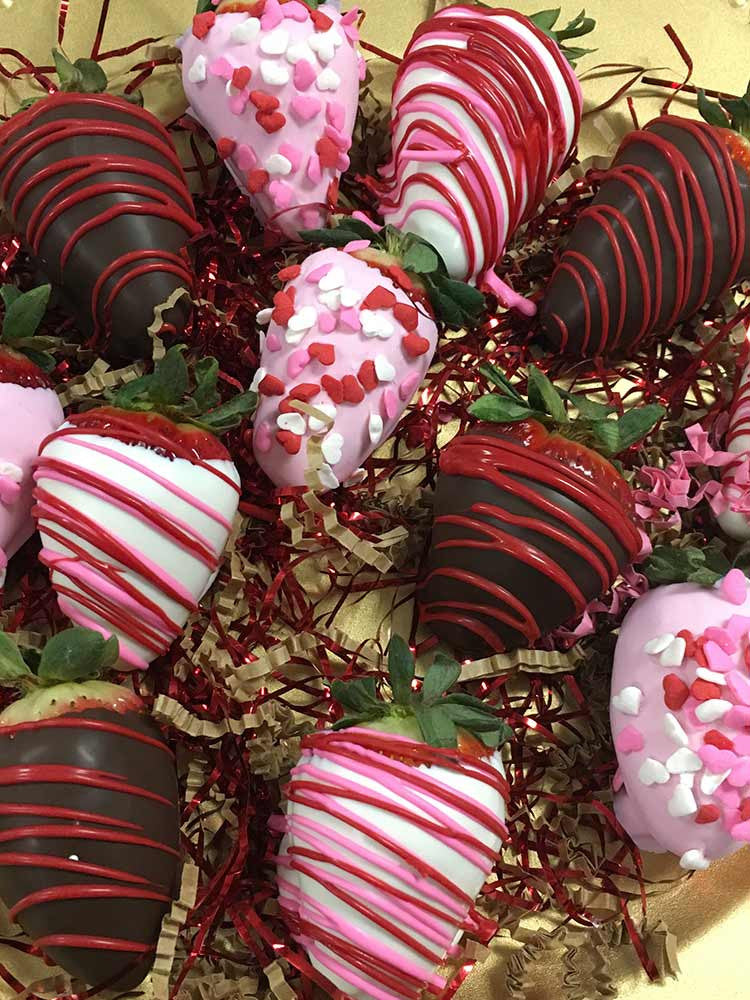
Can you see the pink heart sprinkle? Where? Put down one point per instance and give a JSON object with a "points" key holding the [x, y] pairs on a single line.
{"points": [[356, 245], [305, 107], [740, 775], [272, 342], [343, 142], [739, 717], [238, 104], [742, 743], [245, 157], [281, 194], [296, 11], [730, 797], [292, 153], [741, 832], [262, 438], [9, 490], [618, 781], [317, 273], [273, 15], [313, 218], [352, 32], [408, 386], [739, 685], [304, 75], [717, 658], [733, 587], [221, 67], [326, 322], [350, 318], [343, 163], [350, 17], [336, 114], [296, 362], [717, 760], [390, 404], [630, 740], [738, 626], [722, 638], [313, 169]]}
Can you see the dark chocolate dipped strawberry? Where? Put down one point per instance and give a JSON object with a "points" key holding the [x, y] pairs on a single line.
{"points": [[93, 183], [666, 233], [531, 524], [89, 820]]}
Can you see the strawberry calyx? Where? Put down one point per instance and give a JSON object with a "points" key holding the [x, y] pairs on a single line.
{"points": [[412, 263], [82, 76], [203, 445], [545, 21], [426, 713], [731, 115], [688, 564], [24, 353]]}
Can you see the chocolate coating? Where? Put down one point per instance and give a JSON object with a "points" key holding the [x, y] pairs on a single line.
{"points": [[119, 155], [665, 234], [107, 922], [520, 545]]}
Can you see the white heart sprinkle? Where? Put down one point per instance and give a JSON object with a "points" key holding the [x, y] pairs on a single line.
{"points": [[710, 782], [328, 478], [328, 80], [9, 470], [331, 300], [712, 676], [384, 369], [274, 74], [198, 71], [682, 802], [694, 860], [357, 477], [687, 779], [299, 51], [653, 772], [318, 426], [275, 43], [305, 319], [674, 654], [375, 427], [335, 278], [263, 318], [325, 43], [293, 422], [278, 165], [245, 31], [674, 730], [294, 337], [259, 376], [658, 644], [331, 447], [683, 760], [375, 324], [713, 709], [350, 297], [628, 701]]}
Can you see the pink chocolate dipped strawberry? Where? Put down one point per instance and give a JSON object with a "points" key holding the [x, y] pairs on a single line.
{"points": [[277, 85], [352, 335]]}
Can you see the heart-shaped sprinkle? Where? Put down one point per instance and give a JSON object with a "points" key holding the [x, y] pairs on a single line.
{"points": [[274, 74], [326, 322], [329, 80], [281, 193], [296, 11], [710, 711], [739, 717], [271, 121], [314, 171], [296, 362], [628, 700], [221, 68], [257, 379], [273, 343], [263, 318], [245, 158], [319, 426], [333, 279], [716, 739], [291, 272], [245, 31], [197, 72], [304, 74], [722, 638], [676, 692], [366, 375], [704, 674], [333, 387], [317, 273], [350, 297], [301, 52], [684, 761], [682, 802], [275, 43], [256, 180], [321, 21], [390, 404], [694, 860], [324, 44], [710, 782], [704, 691], [380, 298], [264, 101], [225, 147], [716, 658], [262, 438], [674, 730], [409, 386], [407, 315], [740, 776], [342, 142], [351, 319], [674, 654], [202, 23], [658, 644], [327, 152], [271, 386], [305, 107], [324, 353], [293, 422], [303, 320], [291, 443], [375, 324], [739, 685], [353, 391], [653, 772], [375, 428], [332, 447], [708, 814], [629, 740], [241, 77], [415, 346], [283, 307], [328, 478], [336, 114], [306, 391], [717, 760], [278, 165], [384, 369], [733, 587], [273, 15]]}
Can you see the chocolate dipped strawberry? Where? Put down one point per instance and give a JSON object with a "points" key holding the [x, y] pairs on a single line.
{"points": [[29, 411], [94, 184], [486, 112], [276, 85], [352, 335], [89, 820], [395, 819], [135, 502], [531, 524], [665, 234]]}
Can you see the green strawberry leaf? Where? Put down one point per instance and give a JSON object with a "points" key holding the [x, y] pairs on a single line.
{"points": [[357, 719], [77, 654], [668, 564], [545, 20], [438, 728], [230, 414], [543, 396], [42, 359], [440, 677], [607, 435], [363, 231], [206, 374], [469, 299], [359, 696], [93, 79], [421, 259], [711, 112], [25, 313], [13, 668], [205, 5], [635, 424], [500, 409], [400, 670], [68, 74], [330, 237], [579, 26], [170, 381], [472, 720], [588, 409], [9, 294], [493, 374]]}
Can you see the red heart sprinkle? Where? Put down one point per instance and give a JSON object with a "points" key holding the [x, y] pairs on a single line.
{"points": [[270, 122], [290, 273], [283, 308], [256, 180], [708, 814], [745, 810], [304, 391], [400, 276], [321, 21], [271, 386], [202, 23], [689, 638], [241, 77], [327, 151], [285, 406], [704, 690], [333, 387], [225, 147], [264, 101], [676, 692], [406, 315], [719, 740], [367, 375], [325, 353], [291, 443], [332, 194], [415, 345], [380, 298], [353, 391]]}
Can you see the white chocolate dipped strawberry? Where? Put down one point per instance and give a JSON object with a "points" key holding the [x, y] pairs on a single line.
{"points": [[352, 334], [394, 821], [276, 84], [29, 411], [486, 112], [135, 502]]}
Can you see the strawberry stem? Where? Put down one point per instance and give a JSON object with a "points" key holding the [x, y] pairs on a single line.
{"points": [[581, 25]]}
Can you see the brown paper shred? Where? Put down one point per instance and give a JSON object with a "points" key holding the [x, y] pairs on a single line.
{"points": [[97, 379], [534, 661], [156, 327], [170, 929], [345, 537], [170, 712], [277, 982]]}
